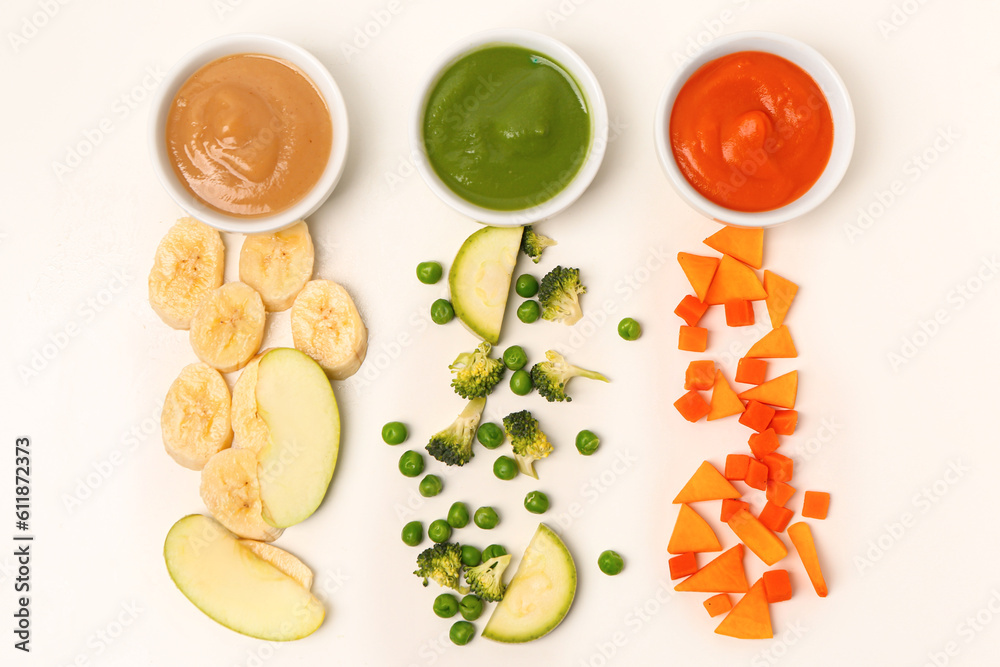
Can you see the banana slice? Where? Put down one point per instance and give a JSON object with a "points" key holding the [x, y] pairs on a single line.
{"points": [[228, 327], [278, 265], [327, 326], [195, 417], [187, 266], [251, 431], [231, 492], [282, 560]]}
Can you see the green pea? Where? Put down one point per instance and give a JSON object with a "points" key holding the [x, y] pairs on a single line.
{"points": [[485, 517], [629, 329], [430, 486], [429, 272], [520, 383], [536, 502], [446, 605], [529, 312], [442, 311], [490, 435], [411, 463], [505, 468], [514, 358], [394, 433], [493, 551], [471, 556], [526, 286], [413, 533], [610, 562], [587, 442], [461, 633], [458, 515], [471, 607], [439, 531]]}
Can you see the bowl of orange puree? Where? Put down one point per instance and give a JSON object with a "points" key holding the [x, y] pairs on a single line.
{"points": [[248, 133]]}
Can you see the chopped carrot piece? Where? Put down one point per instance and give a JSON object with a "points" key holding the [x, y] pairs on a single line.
{"points": [[779, 493], [693, 339], [751, 371], [779, 467], [692, 533], [723, 574], [739, 313], [692, 406], [744, 243], [691, 310], [780, 293], [718, 604], [779, 392], [757, 415], [700, 375], [802, 538], [731, 506], [777, 586], [736, 466], [775, 517], [725, 402], [784, 422], [764, 443], [683, 565], [776, 344], [699, 271], [750, 618], [756, 475], [758, 537], [815, 504], [706, 483], [734, 281]]}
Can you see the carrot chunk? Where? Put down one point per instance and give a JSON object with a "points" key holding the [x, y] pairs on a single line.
{"points": [[734, 281], [750, 618], [777, 586], [683, 565], [779, 467], [700, 375], [779, 493], [779, 392], [784, 422], [723, 574], [802, 538], [731, 506], [699, 271], [693, 339], [780, 293], [763, 443], [706, 483], [775, 517], [739, 313], [725, 402], [736, 466], [751, 371], [756, 475], [815, 504], [692, 533], [692, 406], [744, 243], [718, 604], [757, 415], [758, 537], [776, 344], [691, 310]]}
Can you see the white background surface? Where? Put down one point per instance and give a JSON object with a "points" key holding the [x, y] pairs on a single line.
{"points": [[899, 594]]}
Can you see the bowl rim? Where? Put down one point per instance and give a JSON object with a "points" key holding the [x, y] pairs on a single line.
{"points": [[837, 97], [234, 44], [585, 79]]}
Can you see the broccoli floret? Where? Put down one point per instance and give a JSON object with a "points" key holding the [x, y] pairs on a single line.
{"points": [[551, 377], [453, 445], [486, 579], [528, 441], [442, 563], [476, 374], [533, 243], [559, 295]]}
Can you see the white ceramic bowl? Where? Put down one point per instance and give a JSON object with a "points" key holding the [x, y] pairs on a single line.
{"points": [[836, 96], [595, 102], [231, 45]]}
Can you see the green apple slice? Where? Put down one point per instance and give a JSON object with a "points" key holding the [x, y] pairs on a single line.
{"points": [[234, 587], [539, 595], [480, 279], [295, 400]]}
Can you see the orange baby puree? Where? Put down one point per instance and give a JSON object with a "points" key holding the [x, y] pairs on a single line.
{"points": [[249, 135], [751, 131]]}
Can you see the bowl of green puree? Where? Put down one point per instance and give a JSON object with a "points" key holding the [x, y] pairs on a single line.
{"points": [[510, 127]]}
